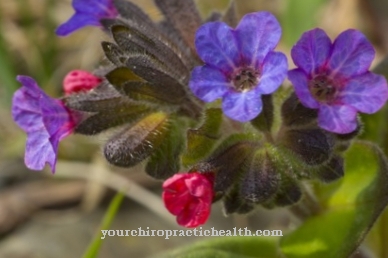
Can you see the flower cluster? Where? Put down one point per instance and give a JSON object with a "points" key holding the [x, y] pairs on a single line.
{"points": [[160, 77]]}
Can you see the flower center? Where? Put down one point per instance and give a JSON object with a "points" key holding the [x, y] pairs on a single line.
{"points": [[322, 88], [245, 79]]}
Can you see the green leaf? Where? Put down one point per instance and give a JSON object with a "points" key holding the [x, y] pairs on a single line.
{"points": [[110, 214], [229, 247], [165, 162], [352, 205], [200, 141]]}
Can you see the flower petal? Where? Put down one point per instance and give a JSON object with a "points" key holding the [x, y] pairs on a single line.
{"points": [[274, 72], [367, 93], [300, 81], [257, 34], [216, 45], [45, 120], [76, 22], [95, 7], [352, 54], [196, 215], [208, 83], [311, 51], [339, 119], [40, 151], [242, 106]]}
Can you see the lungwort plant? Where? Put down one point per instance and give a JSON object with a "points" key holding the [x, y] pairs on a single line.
{"points": [[206, 97]]}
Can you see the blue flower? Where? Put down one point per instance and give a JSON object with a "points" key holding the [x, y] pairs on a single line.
{"points": [[335, 79], [45, 120], [87, 12], [240, 64]]}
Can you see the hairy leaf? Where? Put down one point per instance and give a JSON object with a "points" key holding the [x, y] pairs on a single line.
{"points": [[137, 142], [352, 206], [200, 141]]}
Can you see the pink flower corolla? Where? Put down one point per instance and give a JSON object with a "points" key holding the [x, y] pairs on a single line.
{"points": [[240, 64], [87, 13], [45, 120], [189, 196], [335, 78]]}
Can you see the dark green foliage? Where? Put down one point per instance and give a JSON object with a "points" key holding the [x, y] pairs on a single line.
{"points": [[264, 121], [200, 141], [184, 16], [136, 142], [165, 161]]}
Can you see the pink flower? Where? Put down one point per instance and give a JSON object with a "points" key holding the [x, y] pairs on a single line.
{"points": [[189, 197], [79, 80]]}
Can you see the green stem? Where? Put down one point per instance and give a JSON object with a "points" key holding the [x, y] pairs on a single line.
{"points": [[113, 208]]}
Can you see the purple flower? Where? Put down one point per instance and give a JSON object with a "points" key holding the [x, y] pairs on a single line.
{"points": [[87, 12], [334, 78], [240, 64], [45, 120]]}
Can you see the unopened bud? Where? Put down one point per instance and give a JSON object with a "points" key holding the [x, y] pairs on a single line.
{"points": [[295, 114], [79, 80], [332, 171], [261, 180], [312, 146]]}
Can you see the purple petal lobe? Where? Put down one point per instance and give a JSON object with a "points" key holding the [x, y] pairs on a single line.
{"points": [[300, 81], [76, 22], [45, 120], [273, 73], [87, 13], [352, 54], [97, 7], [311, 51], [216, 46], [367, 93], [242, 106], [208, 83], [339, 119], [257, 34]]}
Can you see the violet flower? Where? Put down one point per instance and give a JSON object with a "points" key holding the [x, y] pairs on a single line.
{"points": [[45, 120], [334, 78], [240, 64], [87, 13]]}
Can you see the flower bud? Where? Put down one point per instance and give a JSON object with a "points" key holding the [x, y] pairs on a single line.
{"points": [[79, 80], [295, 114], [312, 146], [261, 180], [289, 192], [332, 171]]}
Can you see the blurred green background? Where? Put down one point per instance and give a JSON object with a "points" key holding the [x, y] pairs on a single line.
{"points": [[57, 216]]}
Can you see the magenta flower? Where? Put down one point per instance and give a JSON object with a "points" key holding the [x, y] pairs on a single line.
{"points": [[240, 64], [80, 80], [334, 78], [87, 13], [45, 120], [189, 197]]}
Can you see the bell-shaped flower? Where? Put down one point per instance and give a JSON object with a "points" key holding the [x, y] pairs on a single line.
{"points": [[189, 196], [45, 120]]}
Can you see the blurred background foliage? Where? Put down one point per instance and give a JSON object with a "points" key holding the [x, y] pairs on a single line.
{"points": [[67, 212]]}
